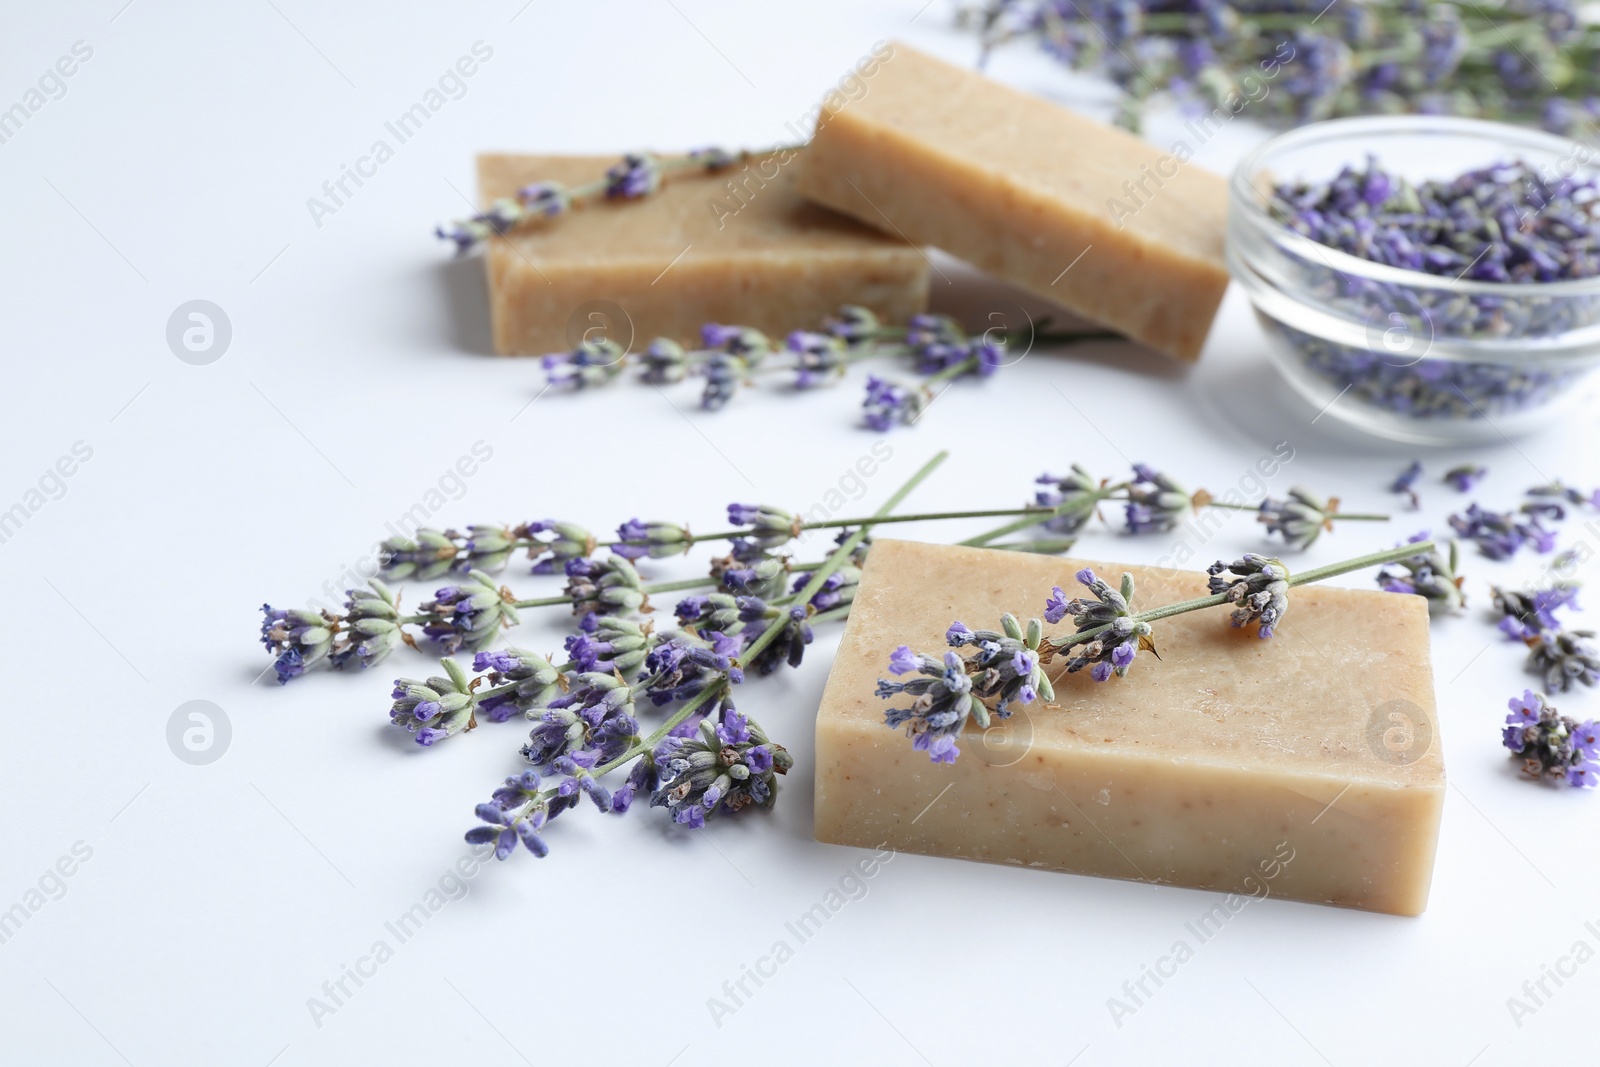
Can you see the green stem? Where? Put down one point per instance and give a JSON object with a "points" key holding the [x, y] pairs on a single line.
{"points": [[1335, 515], [658, 587], [1086, 502], [1316, 574]]}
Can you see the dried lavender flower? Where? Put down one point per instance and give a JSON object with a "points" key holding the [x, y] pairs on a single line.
{"points": [[1300, 519], [607, 586], [1258, 584], [942, 701], [555, 544], [590, 365], [1073, 497], [727, 766], [1552, 746], [1118, 633], [889, 404], [1526, 614], [1156, 503], [469, 614], [371, 627], [1406, 483], [653, 540], [1431, 574], [430, 554], [770, 527], [435, 709], [521, 683], [1500, 535], [1464, 479], [296, 638], [1564, 658]]}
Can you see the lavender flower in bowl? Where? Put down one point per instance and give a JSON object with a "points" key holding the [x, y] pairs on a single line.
{"points": [[1425, 278]]}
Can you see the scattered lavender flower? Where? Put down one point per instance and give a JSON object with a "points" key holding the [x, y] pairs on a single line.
{"points": [[518, 812], [1500, 535], [296, 638], [854, 325], [1406, 483], [819, 358], [765, 579], [1526, 615], [488, 548], [726, 767], [1564, 658], [665, 362], [1464, 479], [595, 716], [1156, 503], [1552, 746], [1258, 584], [440, 707], [724, 373], [1111, 650], [1564, 494], [889, 403], [1430, 574], [610, 645]]}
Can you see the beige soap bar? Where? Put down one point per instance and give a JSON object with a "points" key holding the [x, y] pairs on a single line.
{"points": [[1306, 766], [1028, 191], [739, 247]]}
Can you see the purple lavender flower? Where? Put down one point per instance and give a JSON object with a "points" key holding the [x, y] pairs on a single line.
{"points": [[724, 373], [595, 716], [614, 645], [565, 542], [1527, 614], [298, 639], [941, 703], [518, 812], [591, 364], [752, 345], [1406, 483], [719, 769], [467, 615], [665, 362], [937, 342], [838, 589], [1553, 746], [1432, 575], [653, 540], [1465, 477], [487, 548], [521, 682], [1156, 503], [431, 554], [637, 175], [1500, 535], [888, 404], [1564, 658], [1300, 519], [1118, 632], [545, 198], [1005, 664], [854, 325], [681, 665], [607, 586], [770, 528], [1258, 584], [819, 358], [440, 707], [1073, 497], [371, 627], [789, 646], [765, 578]]}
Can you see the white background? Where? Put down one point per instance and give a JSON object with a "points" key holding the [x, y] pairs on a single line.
{"points": [[220, 898]]}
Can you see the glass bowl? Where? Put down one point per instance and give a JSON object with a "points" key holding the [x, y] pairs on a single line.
{"points": [[1409, 355]]}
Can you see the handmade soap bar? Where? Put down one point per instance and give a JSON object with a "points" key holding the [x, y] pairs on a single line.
{"points": [[1088, 216], [738, 246], [1306, 766]]}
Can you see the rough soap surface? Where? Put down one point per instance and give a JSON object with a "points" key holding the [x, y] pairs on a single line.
{"points": [[1194, 770], [739, 246], [1021, 188]]}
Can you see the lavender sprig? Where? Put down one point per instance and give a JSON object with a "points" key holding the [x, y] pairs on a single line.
{"points": [[635, 176], [1107, 636], [1432, 572], [1532, 63]]}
